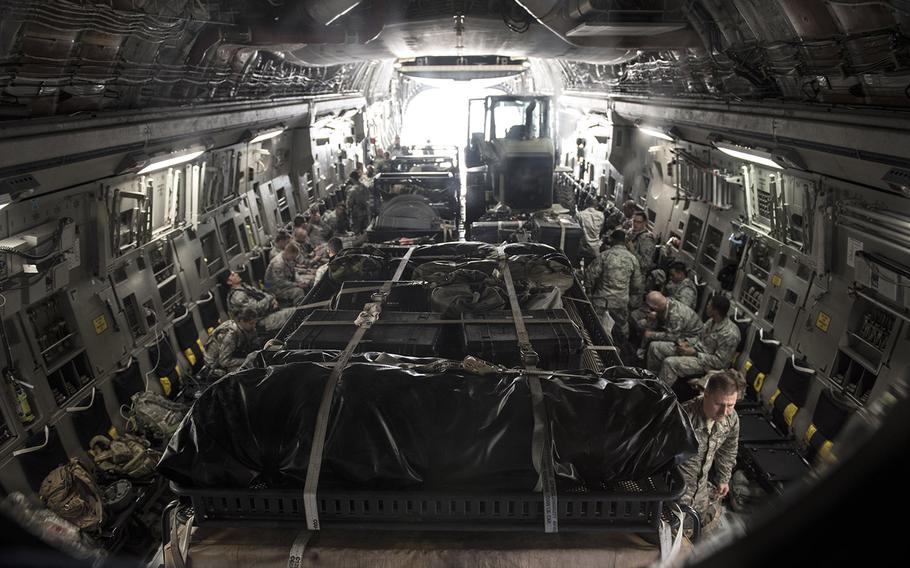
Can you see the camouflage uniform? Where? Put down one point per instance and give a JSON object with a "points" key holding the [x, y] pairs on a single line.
{"points": [[335, 223], [713, 464], [683, 292], [714, 348], [248, 297], [592, 223], [676, 322], [643, 245], [227, 347], [281, 280], [358, 203], [319, 233], [610, 279]]}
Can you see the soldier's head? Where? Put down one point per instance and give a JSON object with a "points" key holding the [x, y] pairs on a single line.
{"points": [[639, 221], [282, 238], [334, 246], [656, 301], [300, 236], [718, 307], [617, 237], [299, 221], [354, 175], [721, 393], [316, 216], [387, 156], [291, 251], [628, 208], [232, 279], [677, 271], [246, 319], [341, 209]]}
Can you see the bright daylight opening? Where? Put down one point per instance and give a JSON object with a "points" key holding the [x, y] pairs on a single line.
{"points": [[440, 115]]}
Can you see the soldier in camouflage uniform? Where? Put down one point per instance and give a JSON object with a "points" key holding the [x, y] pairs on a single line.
{"points": [[642, 242], [611, 278], [680, 287], [712, 350], [318, 231], [716, 424], [358, 203], [230, 343], [281, 277], [243, 296], [667, 321], [282, 238], [337, 220]]}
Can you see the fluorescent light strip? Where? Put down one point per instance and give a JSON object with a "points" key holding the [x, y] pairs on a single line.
{"points": [[656, 133], [155, 166], [268, 135], [343, 13], [751, 157]]}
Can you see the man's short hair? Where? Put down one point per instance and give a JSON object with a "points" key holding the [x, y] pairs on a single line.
{"points": [[678, 266], [292, 248], [222, 277], [617, 237], [300, 231], [299, 221], [725, 382], [245, 314], [282, 235], [354, 175], [641, 214], [335, 245], [721, 304]]}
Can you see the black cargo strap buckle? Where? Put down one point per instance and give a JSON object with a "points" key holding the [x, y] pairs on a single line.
{"points": [[529, 357]]}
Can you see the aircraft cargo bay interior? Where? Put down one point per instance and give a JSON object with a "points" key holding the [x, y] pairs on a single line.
{"points": [[453, 282]]}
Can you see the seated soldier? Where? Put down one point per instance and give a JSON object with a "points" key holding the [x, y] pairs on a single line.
{"points": [[711, 350], [333, 247], [282, 238], [317, 230], [264, 305], [230, 343], [680, 287], [667, 321], [281, 277], [337, 220]]}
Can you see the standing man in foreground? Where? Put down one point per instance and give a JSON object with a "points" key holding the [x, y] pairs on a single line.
{"points": [[716, 424]]}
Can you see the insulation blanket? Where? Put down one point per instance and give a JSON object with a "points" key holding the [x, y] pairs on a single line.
{"points": [[399, 422]]}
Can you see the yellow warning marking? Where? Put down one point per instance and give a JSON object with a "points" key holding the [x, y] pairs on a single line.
{"points": [[759, 382], [823, 321], [789, 413], [776, 280], [100, 324], [165, 385], [810, 432]]}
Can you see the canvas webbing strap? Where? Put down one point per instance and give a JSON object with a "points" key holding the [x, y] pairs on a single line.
{"points": [[295, 557], [541, 451], [310, 506]]}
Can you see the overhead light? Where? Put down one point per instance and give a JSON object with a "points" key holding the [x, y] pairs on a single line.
{"points": [[267, 134], [777, 158], [667, 135], [173, 160], [342, 13]]}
